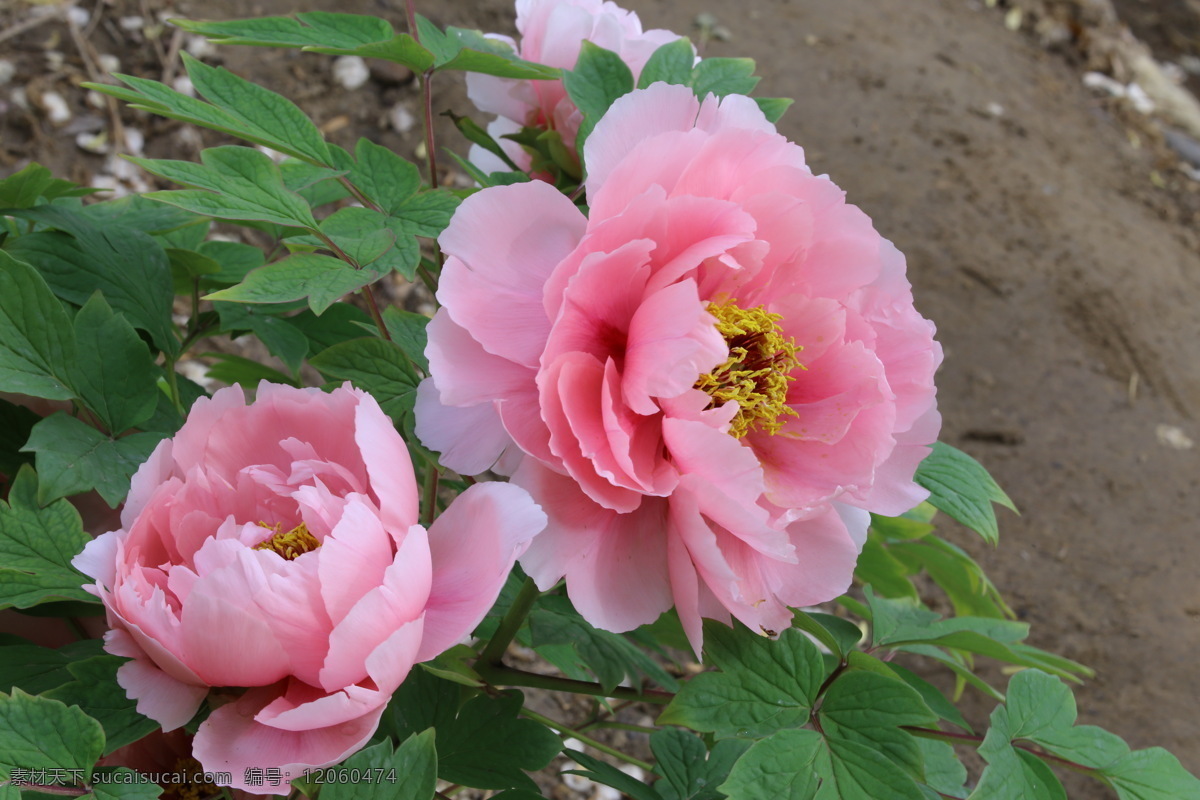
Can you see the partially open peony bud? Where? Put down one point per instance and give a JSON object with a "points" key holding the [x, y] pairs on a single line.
{"points": [[272, 550], [552, 33]]}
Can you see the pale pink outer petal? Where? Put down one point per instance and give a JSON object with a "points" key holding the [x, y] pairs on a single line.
{"points": [[474, 544], [160, 697], [98, 560], [466, 374], [573, 523], [388, 465], [153, 472], [502, 244], [470, 439]]}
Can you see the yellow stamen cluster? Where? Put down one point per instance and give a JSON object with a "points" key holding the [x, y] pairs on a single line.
{"points": [[290, 545], [759, 368]]}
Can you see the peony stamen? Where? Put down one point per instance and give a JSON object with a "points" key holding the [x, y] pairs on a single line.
{"points": [[289, 545], [759, 368]]}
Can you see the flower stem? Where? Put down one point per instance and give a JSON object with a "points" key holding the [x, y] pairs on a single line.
{"points": [[975, 740], [493, 653], [618, 726], [431, 491], [590, 742], [507, 676]]}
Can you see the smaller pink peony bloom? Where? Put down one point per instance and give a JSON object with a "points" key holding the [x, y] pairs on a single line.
{"points": [[552, 33], [707, 383], [272, 549]]}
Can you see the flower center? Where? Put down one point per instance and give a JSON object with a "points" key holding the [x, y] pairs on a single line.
{"points": [[291, 544], [759, 368]]}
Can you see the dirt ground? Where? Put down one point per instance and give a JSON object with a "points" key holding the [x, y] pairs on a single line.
{"points": [[1050, 234]]}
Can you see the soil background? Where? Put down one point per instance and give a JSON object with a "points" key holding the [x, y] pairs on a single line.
{"points": [[1049, 233]]}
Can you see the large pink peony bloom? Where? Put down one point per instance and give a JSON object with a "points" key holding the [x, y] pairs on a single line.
{"points": [[552, 33], [275, 546], [706, 385]]}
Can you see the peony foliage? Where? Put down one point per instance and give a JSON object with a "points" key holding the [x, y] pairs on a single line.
{"points": [[666, 450]]}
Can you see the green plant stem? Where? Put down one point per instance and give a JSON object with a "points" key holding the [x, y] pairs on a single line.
{"points": [[498, 674], [66, 791], [493, 653], [373, 308], [618, 726], [173, 386], [431, 491], [590, 742], [975, 740]]}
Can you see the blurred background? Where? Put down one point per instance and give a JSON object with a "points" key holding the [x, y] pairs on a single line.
{"points": [[1038, 161]]}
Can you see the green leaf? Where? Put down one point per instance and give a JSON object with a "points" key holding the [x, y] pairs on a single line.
{"points": [[38, 733], [95, 690], [364, 236], [127, 265], [763, 685], [882, 571], [962, 488], [1084, 744], [1038, 703], [600, 76], [407, 330], [484, 744], [238, 183], [319, 32], [933, 698], [943, 771], [478, 135], [670, 63], [689, 771], [36, 669], [903, 621], [236, 260], [605, 773], [22, 189], [383, 176], [869, 708], [410, 773], [1038, 774], [1152, 774], [374, 365], [780, 767], [610, 656], [280, 123], [320, 279], [114, 373], [471, 51], [773, 108], [283, 340], [15, 424], [857, 772], [73, 457], [338, 323], [36, 345], [1007, 777], [233, 369], [36, 548], [724, 76], [959, 576]]}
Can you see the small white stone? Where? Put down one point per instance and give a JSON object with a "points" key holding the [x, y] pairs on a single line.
{"points": [[7, 71], [56, 108], [607, 793], [401, 119], [633, 771], [274, 155], [19, 97], [1174, 437], [995, 109], [93, 142], [197, 372], [78, 17], [577, 783], [1139, 99], [572, 744], [95, 99], [108, 62], [1102, 82], [135, 140], [183, 85], [199, 47], [351, 72], [54, 60], [131, 23]]}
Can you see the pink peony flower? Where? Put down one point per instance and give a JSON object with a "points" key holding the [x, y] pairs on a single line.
{"points": [[275, 546], [707, 384], [552, 33]]}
